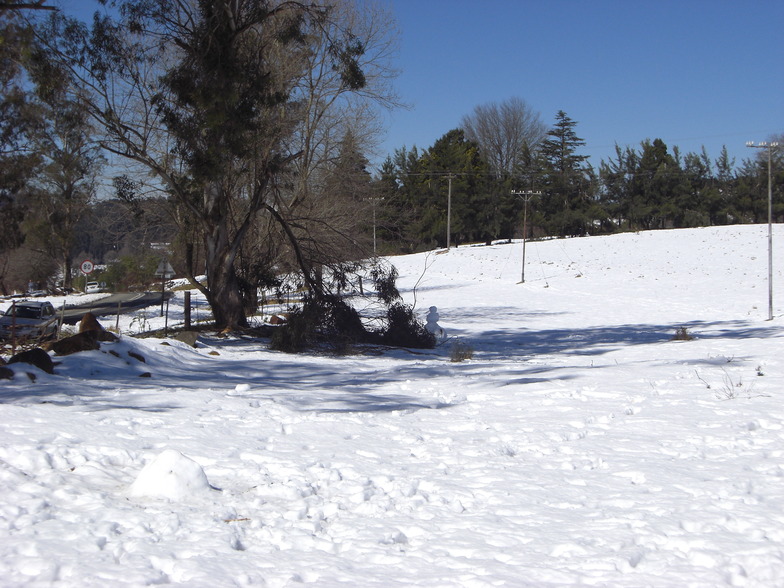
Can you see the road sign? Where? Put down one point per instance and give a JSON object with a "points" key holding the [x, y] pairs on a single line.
{"points": [[165, 270], [87, 267]]}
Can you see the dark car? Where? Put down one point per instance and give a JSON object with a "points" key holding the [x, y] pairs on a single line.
{"points": [[29, 319]]}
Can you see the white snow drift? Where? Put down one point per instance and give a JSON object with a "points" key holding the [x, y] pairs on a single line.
{"points": [[581, 445]]}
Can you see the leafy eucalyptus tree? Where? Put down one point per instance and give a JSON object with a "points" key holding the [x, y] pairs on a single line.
{"points": [[208, 96], [71, 160], [19, 119]]}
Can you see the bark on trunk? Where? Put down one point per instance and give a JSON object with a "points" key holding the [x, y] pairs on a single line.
{"points": [[225, 299], [223, 287], [67, 263]]}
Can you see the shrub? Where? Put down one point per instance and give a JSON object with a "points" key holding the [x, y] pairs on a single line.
{"points": [[405, 330], [327, 321], [682, 334], [460, 351], [331, 321]]}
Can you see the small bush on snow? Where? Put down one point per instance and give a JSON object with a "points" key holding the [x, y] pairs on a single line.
{"points": [[460, 351], [682, 334]]}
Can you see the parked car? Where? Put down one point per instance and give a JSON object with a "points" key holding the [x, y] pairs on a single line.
{"points": [[29, 319], [92, 288]]}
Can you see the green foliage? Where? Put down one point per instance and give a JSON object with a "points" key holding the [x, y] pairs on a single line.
{"points": [[327, 321], [648, 187], [19, 120], [332, 323], [566, 180], [384, 281], [131, 272]]}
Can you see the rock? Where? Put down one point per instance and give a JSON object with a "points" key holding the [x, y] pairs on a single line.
{"points": [[85, 341], [37, 357], [137, 356], [6, 373], [90, 323], [187, 337], [107, 337]]}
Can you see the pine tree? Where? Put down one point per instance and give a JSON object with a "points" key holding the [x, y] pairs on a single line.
{"points": [[565, 179]]}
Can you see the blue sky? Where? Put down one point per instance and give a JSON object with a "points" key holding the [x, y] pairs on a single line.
{"points": [[691, 72]]}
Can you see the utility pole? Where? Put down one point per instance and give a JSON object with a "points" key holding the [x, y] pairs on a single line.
{"points": [[770, 147], [526, 195], [373, 201], [449, 211]]}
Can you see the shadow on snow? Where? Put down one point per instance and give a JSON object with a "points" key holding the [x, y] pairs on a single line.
{"points": [[350, 384]]}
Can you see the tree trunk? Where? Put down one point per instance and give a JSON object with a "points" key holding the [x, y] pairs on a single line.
{"points": [[221, 247], [67, 263], [223, 294]]}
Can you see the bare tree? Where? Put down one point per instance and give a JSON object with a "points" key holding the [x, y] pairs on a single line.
{"points": [[507, 134], [319, 211]]}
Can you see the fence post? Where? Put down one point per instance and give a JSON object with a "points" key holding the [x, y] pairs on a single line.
{"points": [[187, 309]]}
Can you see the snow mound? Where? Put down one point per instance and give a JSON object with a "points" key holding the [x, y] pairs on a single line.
{"points": [[171, 475]]}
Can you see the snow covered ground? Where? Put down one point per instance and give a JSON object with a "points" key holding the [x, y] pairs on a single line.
{"points": [[581, 445]]}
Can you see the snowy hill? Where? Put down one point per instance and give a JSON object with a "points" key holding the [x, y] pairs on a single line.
{"points": [[580, 445]]}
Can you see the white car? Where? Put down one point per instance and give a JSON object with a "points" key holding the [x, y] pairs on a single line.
{"points": [[29, 319], [92, 288]]}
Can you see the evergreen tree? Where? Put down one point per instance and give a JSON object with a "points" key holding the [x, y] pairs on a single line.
{"points": [[698, 197], [616, 177], [752, 185], [652, 187], [726, 188], [402, 191], [453, 159], [566, 179]]}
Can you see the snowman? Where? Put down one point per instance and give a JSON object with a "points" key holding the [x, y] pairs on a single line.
{"points": [[431, 324]]}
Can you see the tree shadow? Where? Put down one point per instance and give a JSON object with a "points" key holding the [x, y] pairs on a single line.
{"points": [[525, 343], [310, 383]]}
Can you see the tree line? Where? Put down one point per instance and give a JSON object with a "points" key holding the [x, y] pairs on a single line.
{"points": [[236, 132], [502, 155]]}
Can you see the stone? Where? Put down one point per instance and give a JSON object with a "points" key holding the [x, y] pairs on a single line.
{"points": [[37, 357], [187, 337], [90, 323], [86, 341]]}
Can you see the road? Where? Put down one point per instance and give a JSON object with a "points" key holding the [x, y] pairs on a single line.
{"points": [[122, 302]]}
